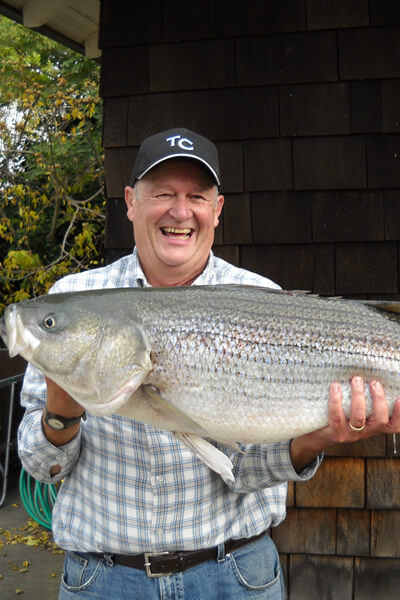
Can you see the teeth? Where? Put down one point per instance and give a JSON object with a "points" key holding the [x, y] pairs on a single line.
{"points": [[177, 231]]}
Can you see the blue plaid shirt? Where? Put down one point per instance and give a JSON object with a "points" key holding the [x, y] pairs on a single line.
{"points": [[129, 487]]}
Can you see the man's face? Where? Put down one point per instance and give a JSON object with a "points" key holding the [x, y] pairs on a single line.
{"points": [[174, 210]]}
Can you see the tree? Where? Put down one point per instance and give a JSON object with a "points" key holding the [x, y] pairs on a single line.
{"points": [[51, 163]]}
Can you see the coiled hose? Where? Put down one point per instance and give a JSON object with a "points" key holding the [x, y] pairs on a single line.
{"points": [[37, 498]]}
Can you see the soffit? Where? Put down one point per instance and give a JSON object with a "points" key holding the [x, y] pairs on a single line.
{"points": [[73, 22]]}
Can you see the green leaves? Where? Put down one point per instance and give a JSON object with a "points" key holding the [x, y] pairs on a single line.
{"points": [[51, 163]]}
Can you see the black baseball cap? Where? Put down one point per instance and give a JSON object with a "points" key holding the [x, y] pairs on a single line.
{"points": [[176, 143]]}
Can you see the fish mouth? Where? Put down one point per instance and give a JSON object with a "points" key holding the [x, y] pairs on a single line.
{"points": [[177, 233], [18, 339], [3, 330]]}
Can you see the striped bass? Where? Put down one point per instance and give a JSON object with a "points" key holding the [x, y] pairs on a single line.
{"points": [[230, 363]]}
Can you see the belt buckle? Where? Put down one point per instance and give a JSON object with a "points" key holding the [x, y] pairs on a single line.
{"points": [[147, 564]]}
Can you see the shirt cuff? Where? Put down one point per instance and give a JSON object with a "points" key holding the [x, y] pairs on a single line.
{"points": [[284, 462], [38, 455]]}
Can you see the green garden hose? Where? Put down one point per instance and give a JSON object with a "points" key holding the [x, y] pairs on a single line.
{"points": [[38, 498]]}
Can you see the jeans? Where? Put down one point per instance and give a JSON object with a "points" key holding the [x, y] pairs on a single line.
{"points": [[252, 571]]}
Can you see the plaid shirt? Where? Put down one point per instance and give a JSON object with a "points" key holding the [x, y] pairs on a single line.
{"points": [[129, 487]]}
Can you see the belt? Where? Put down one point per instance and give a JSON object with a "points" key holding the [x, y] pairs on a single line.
{"points": [[158, 564]]}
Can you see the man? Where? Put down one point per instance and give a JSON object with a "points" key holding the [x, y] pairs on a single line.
{"points": [[139, 515]]}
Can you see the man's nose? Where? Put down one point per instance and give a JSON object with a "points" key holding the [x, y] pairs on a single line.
{"points": [[181, 208]]}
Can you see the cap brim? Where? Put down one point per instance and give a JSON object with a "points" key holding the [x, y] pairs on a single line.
{"points": [[182, 155]]}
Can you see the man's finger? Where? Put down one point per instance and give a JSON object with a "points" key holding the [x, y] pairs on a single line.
{"points": [[380, 409], [394, 423], [358, 403], [335, 409]]}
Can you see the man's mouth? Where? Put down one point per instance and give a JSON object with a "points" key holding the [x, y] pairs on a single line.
{"points": [[175, 232]]}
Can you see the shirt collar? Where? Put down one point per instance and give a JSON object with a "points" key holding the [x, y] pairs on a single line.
{"points": [[202, 279], [140, 277], [205, 276]]}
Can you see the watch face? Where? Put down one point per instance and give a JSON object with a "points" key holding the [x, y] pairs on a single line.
{"points": [[55, 423]]}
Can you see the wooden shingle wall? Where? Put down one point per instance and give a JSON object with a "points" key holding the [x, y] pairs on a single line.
{"points": [[302, 98]]}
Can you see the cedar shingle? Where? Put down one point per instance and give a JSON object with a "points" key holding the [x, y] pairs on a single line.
{"points": [[353, 532], [231, 166], [219, 232], [366, 106], [307, 530], [369, 53], [377, 578], [315, 109], [329, 163], [281, 217], [115, 122], [348, 216], [383, 160], [255, 17], [383, 483], [291, 494], [237, 219], [192, 65], [118, 164], [287, 58], [229, 253], [338, 482], [119, 233], [393, 445], [268, 165], [324, 269], [323, 14], [385, 533], [124, 71], [375, 446], [369, 268], [138, 23], [320, 578], [189, 21], [289, 265], [391, 105], [232, 114], [385, 12], [375, 106]]}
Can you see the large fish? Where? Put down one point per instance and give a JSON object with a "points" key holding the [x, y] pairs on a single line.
{"points": [[231, 363]]}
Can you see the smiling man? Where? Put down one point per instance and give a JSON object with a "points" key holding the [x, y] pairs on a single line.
{"points": [[174, 205], [140, 516]]}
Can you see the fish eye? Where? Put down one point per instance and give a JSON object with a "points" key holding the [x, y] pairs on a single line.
{"points": [[49, 322]]}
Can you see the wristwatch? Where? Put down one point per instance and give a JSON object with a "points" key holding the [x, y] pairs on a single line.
{"points": [[58, 422]]}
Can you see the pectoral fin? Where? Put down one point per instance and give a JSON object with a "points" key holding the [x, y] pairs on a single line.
{"points": [[214, 459], [121, 396], [173, 418]]}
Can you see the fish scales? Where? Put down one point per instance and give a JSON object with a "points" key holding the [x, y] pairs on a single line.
{"points": [[243, 364], [252, 360]]}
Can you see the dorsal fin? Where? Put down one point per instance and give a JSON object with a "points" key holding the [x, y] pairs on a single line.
{"points": [[392, 306]]}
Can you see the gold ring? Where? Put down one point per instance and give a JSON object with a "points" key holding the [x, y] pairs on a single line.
{"points": [[357, 428]]}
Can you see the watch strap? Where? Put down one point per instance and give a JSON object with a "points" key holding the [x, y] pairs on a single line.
{"points": [[58, 422]]}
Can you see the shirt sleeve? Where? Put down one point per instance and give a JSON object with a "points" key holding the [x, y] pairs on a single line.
{"points": [[37, 454], [258, 466]]}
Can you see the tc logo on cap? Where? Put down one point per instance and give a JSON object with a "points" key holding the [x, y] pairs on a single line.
{"points": [[178, 140]]}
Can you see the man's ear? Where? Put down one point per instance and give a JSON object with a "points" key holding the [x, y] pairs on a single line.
{"points": [[129, 201], [218, 209]]}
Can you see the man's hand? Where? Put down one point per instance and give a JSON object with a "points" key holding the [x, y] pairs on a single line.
{"points": [[343, 430]]}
